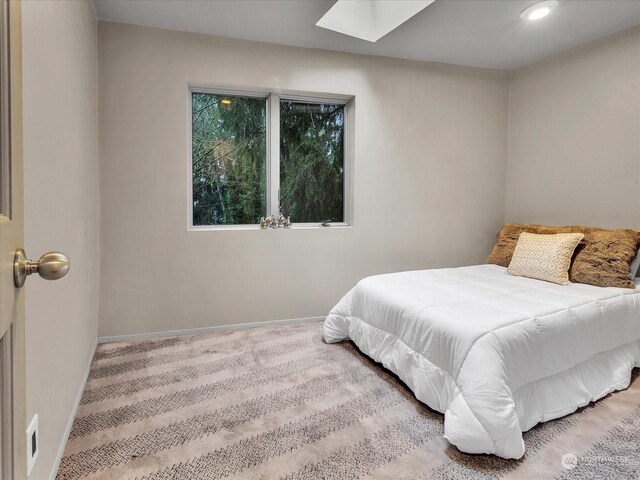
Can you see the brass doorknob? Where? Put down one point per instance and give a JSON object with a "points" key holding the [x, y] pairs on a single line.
{"points": [[50, 266]]}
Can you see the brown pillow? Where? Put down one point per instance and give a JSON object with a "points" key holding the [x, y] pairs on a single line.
{"points": [[603, 258]]}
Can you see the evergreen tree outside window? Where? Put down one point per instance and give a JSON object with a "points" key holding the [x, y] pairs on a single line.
{"points": [[266, 154], [312, 161], [229, 155]]}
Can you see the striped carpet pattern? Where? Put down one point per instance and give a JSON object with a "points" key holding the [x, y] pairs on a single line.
{"points": [[279, 403]]}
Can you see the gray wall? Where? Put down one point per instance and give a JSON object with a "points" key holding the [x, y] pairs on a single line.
{"points": [[574, 137], [429, 190], [61, 208]]}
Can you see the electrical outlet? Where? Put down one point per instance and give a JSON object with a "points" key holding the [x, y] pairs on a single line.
{"points": [[33, 443]]}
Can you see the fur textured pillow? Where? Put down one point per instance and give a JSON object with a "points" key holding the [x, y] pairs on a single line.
{"points": [[603, 258], [544, 257]]}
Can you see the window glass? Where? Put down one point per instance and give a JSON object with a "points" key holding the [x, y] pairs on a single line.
{"points": [[312, 161], [229, 151]]}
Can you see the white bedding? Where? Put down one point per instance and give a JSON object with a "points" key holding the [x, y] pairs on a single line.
{"points": [[495, 353]]}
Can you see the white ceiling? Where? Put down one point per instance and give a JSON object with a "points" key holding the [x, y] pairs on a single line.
{"points": [[482, 33]]}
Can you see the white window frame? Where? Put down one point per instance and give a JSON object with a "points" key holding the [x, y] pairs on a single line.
{"points": [[273, 97]]}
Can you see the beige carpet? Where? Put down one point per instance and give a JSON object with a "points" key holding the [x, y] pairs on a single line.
{"points": [[279, 403]]}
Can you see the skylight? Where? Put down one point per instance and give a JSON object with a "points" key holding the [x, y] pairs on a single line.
{"points": [[370, 19]]}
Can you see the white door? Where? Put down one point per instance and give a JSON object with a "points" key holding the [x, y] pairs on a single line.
{"points": [[12, 354], [16, 447]]}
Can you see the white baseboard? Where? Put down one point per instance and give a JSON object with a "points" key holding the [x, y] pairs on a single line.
{"points": [[191, 331], [72, 416]]}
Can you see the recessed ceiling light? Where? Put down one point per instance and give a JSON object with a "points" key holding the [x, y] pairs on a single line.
{"points": [[539, 10]]}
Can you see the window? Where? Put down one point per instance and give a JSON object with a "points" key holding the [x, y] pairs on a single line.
{"points": [[312, 161], [229, 151], [255, 155]]}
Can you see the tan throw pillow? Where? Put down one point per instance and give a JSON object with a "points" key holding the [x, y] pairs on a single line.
{"points": [[544, 257], [603, 258]]}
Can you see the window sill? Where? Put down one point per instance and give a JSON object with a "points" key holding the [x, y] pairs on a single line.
{"points": [[299, 226], [311, 226]]}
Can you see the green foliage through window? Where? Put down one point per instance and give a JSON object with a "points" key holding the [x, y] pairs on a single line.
{"points": [[229, 155], [229, 159], [312, 161]]}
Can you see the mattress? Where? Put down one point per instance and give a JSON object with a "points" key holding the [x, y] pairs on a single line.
{"points": [[495, 353]]}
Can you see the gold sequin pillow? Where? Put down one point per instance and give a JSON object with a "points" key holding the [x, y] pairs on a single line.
{"points": [[544, 257]]}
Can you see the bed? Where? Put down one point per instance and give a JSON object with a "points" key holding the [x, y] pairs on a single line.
{"points": [[495, 353]]}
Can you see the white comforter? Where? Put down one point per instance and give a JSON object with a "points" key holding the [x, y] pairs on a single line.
{"points": [[495, 353]]}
